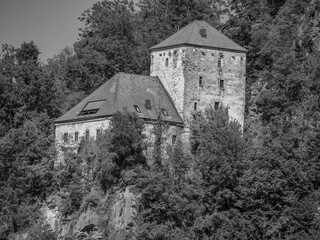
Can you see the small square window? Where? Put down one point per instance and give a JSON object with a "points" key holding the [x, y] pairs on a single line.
{"points": [[137, 108], [87, 135], [164, 112], [216, 105], [76, 136]]}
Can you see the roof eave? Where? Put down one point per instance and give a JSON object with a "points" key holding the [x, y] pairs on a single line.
{"points": [[155, 48], [81, 119], [176, 123]]}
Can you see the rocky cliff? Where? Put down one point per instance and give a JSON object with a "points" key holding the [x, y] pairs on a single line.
{"points": [[104, 216]]}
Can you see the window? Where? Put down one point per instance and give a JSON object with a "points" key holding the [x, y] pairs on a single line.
{"points": [[92, 107], [200, 82], [203, 32], [147, 104], [164, 112], [167, 62], [219, 62], [174, 138], [241, 60], [98, 133], [137, 108], [221, 84], [216, 105], [195, 106], [65, 138], [87, 135], [76, 136]]}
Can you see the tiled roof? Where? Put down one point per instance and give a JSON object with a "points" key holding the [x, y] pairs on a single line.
{"points": [[125, 91], [190, 35]]}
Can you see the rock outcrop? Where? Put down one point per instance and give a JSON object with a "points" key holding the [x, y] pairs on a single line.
{"points": [[113, 218]]}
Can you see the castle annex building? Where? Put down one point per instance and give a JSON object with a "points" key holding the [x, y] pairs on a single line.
{"points": [[192, 69]]}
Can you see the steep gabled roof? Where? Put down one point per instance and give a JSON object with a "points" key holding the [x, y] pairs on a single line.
{"points": [[125, 91], [190, 35]]}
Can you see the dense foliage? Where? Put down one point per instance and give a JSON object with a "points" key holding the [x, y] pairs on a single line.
{"points": [[260, 183]]}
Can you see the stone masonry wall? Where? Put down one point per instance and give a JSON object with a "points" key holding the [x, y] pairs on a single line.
{"points": [[81, 127], [103, 124], [203, 63], [180, 70], [167, 65]]}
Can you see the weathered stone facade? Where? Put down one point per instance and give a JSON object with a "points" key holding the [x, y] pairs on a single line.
{"points": [[197, 77], [69, 135], [169, 135]]}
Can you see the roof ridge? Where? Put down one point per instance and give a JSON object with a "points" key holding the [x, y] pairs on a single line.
{"points": [[194, 24]]}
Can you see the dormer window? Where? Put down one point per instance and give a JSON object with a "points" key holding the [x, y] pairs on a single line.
{"points": [[164, 112], [137, 108], [147, 104], [203, 32], [92, 107]]}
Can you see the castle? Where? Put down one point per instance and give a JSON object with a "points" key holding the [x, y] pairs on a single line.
{"points": [[194, 68]]}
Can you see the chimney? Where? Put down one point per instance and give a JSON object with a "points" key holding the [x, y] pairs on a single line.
{"points": [[147, 104], [203, 32]]}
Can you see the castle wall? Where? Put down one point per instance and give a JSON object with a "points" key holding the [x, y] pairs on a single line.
{"points": [[81, 128], [203, 63], [168, 66], [192, 76], [169, 132], [170, 136]]}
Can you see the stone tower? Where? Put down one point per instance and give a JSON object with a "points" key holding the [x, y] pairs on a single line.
{"points": [[199, 66]]}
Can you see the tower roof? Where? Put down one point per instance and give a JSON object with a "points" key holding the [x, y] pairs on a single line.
{"points": [[200, 34], [142, 94]]}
